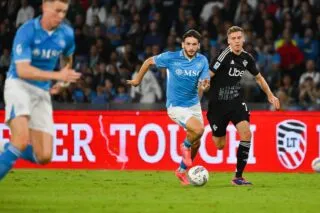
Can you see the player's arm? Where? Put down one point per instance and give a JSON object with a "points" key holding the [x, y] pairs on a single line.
{"points": [[266, 89], [26, 71], [143, 69]]}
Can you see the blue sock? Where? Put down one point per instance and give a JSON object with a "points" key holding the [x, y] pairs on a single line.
{"points": [[7, 159], [26, 154], [187, 143], [183, 166]]}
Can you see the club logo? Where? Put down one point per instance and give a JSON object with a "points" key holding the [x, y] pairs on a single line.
{"points": [[245, 62], [291, 143]]}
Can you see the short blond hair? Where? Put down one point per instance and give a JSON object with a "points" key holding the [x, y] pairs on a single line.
{"points": [[234, 29]]}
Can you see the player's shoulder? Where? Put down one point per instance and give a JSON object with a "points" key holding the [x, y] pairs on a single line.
{"points": [[202, 57], [27, 27], [66, 29], [224, 53], [247, 55]]}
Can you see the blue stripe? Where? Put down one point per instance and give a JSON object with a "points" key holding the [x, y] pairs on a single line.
{"points": [[12, 113]]}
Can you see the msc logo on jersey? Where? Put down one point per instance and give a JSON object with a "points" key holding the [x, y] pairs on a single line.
{"points": [[291, 143], [189, 73], [46, 53]]}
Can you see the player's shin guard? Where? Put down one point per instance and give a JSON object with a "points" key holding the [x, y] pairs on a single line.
{"points": [[26, 154], [242, 157], [7, 159]]}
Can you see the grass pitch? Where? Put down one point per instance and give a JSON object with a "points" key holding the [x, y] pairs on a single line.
{"points": [[77, 191]]}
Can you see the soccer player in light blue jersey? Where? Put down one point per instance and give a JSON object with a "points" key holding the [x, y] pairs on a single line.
{"points": [[38, 44], [187, 75]]}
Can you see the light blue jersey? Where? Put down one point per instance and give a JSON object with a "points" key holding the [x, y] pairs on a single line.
{"points": [[183, 76], [42, 48]]}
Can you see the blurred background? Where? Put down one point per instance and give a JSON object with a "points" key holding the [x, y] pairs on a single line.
{"points": [[113, 38]]}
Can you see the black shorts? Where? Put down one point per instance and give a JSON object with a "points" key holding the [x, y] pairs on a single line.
{"points": [[221, 113]]}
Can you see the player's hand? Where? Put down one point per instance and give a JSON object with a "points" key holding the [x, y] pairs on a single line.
{"points": [[205, 84], [274, 101], [55, 89], [69, 75], [133, 82]]}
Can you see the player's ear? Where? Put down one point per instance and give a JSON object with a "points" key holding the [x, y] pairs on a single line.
{"points": [[199, 46]]}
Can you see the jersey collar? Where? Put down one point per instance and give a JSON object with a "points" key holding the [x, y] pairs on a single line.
{"points": [[181, 54]]}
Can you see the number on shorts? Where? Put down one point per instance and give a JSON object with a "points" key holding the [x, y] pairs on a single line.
{"points": [[244, 104]]}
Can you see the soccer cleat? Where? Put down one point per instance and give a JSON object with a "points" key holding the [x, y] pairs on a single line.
{"points": [[182, 176], [240, 182], [186, 155]]}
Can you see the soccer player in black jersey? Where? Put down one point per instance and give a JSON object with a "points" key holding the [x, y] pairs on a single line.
{"points": [[226, 101]]}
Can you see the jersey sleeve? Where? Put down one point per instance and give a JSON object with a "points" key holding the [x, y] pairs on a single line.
{"points": [[162, 60], [70, 43], [21, 50], [252, 67], [205, 71], [216, 64]]}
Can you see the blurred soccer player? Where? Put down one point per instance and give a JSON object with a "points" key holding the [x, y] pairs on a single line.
{"points": [[37, 47], [187, 72], [226, 101]]}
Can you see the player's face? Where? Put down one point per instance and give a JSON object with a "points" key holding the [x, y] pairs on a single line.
{"points": [[190, 46], [236, 40], [54, 12]]}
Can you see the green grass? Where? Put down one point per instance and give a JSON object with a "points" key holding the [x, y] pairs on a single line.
{"points": [[148, 191]]}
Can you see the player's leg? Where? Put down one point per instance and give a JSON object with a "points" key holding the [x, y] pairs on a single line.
{"points": [[241, 120], [19, 142], [42, 129], [218, 120], [42, 143]]}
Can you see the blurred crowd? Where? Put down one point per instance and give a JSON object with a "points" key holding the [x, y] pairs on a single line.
{"points": [[114, 37]]}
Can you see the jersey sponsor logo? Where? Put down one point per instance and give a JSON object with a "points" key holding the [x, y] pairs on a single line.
{"points": [[46, 53], [189, 73], [235, 72], [19, 49], [291, 143], [245, 62], [216, 65]]}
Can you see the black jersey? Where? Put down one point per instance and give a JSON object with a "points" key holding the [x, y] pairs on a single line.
{"points": [[229, 69]]}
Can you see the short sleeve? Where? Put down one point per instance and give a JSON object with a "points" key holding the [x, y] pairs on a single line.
{"points": [[252, 67], [205, 71], [21, 49], [70, 44], [162, 60]]}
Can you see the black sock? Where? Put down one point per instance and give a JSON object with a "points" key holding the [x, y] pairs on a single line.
{"points": [[242, 157]]}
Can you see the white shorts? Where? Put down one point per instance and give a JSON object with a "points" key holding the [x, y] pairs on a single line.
{"points": [[22, 98], [181, 115]]}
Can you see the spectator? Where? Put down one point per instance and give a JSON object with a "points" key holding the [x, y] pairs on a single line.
{"points": [[25, 13], [149, 91]]}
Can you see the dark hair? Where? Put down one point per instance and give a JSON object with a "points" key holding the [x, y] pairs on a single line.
{"points": [[192, 33]]}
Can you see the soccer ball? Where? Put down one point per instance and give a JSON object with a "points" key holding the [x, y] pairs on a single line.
{"points": [[198, 175], [316, 164]]}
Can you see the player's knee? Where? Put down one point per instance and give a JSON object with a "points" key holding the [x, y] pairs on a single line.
{"points": [[246, 135], [219, 142], [199, 131], [220, 146], [44, 158]]}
